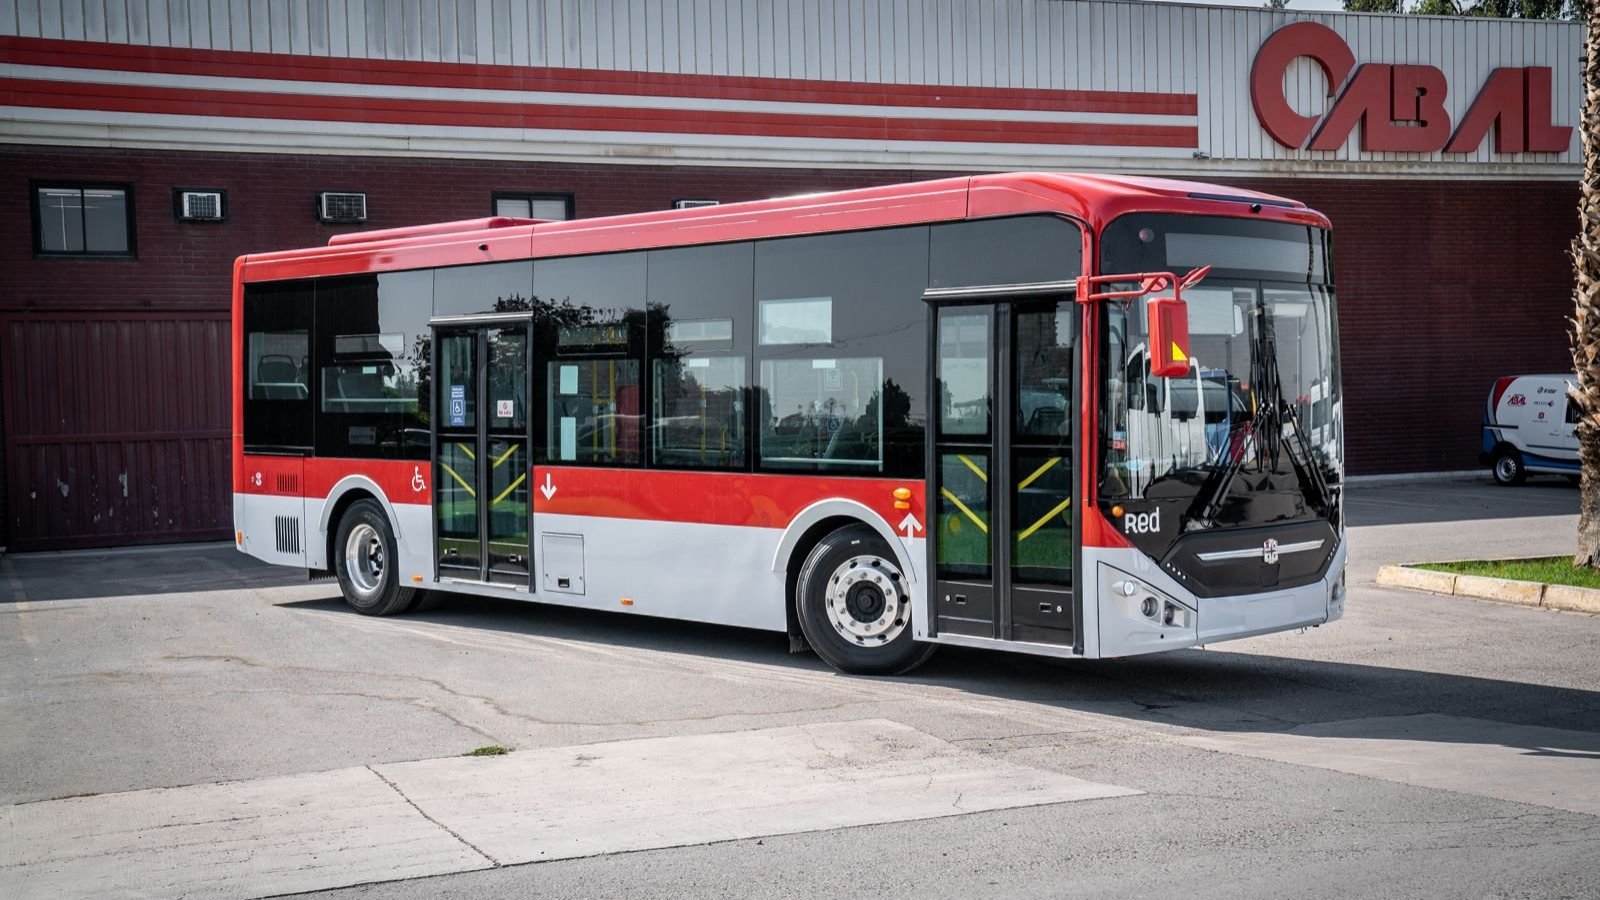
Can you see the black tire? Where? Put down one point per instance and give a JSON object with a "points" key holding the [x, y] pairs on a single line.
{"points": [[370, 580], [857, 548], [1507, 467], [425, 601]]}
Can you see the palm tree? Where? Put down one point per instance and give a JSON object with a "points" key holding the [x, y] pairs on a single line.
{"points": [[1586, 297]]}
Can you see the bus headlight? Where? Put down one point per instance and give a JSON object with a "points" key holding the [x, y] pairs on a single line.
{"points": [[1139, 600]]}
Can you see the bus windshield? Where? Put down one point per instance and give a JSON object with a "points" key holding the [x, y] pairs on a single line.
{"points": [[1252, 434]]}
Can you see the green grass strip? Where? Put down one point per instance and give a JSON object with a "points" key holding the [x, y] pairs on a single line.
{"points": [[1549, 569]]}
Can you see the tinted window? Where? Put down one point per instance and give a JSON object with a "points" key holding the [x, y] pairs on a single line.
{"points": [[1245, 248], [490, 288], [373, 348], [88, 220], [699, 342], [1023, 250], [841, 376], [589, 330], [277, 365]]}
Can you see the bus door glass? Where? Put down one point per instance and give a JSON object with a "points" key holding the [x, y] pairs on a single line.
{"points": [[1001, 541], [482, 513]]}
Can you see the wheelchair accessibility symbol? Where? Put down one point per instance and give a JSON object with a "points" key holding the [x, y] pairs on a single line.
{"points": [[417, 483]]}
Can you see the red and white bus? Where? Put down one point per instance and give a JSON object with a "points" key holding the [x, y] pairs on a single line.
{"points": [[950, 412]]}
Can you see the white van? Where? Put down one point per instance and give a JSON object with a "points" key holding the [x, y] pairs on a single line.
{"points": [[1528, 427]]}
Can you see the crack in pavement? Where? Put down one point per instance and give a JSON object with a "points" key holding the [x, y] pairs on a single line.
{"points": [[424, 813]]}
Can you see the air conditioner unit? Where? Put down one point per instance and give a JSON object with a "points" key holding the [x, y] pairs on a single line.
{"points": [[693, 204], [342, 207], [201, 206]]}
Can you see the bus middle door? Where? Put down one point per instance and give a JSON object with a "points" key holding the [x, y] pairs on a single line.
{"points": [[482, 511]]}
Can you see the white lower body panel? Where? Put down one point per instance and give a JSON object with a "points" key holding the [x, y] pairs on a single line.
{"points": [[725, 575]]}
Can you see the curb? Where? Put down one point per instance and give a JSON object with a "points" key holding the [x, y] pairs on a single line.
{"points": [[1503, 590]]}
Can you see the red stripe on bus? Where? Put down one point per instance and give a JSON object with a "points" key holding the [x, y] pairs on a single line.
{"points": [[289, 67], [450, 113], [710, 498], [707, 498]]}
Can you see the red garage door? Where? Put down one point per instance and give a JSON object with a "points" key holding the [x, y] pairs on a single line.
{"points": [[116, 428]]}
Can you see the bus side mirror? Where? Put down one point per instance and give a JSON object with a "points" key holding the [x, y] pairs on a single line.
{"points": [[1169, 337]]}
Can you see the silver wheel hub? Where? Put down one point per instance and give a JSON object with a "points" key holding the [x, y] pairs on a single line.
{"points": [[1507, 467], [867, 602], [363, 559]]}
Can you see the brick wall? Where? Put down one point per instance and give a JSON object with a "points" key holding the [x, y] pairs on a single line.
{"points": [[1443, 285]]}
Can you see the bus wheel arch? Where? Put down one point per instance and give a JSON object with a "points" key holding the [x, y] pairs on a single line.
{"points": [[814, 522], [345, 493]]}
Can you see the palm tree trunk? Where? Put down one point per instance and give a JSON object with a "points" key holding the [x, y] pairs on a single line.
{"points": [[1586, 313]]}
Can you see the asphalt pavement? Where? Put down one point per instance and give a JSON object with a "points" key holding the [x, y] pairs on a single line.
{"points": [[1423, 746]]}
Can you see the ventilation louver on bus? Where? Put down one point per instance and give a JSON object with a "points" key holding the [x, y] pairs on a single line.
{"points": [[286, 530], [342, 208], [694, 204]]}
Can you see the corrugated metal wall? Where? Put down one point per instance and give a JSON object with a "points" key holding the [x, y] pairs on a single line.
{"points": [[1064, 44], [117, 428]]}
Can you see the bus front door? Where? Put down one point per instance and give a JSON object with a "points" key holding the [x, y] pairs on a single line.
{"points": [[1000, 484], [481, 500]]}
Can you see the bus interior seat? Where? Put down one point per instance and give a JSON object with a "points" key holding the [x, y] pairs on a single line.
{"points": [[277, 378]]}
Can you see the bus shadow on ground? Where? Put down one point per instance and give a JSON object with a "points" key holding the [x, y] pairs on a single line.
{"points": [[1213, 690], [135, 573]]}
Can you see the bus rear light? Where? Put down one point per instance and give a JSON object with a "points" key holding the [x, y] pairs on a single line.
{"points": [[901, 504]]}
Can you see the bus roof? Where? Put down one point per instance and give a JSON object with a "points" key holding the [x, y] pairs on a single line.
{"points": [[1095, 199]]}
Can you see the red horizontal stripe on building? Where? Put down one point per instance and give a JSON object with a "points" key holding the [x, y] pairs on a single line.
{"points": [[290, 67], [451, 113]]}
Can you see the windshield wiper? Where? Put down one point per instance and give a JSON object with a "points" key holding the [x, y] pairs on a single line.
{"points": [[1266, 428], [1202, 513], [1305, 463]]}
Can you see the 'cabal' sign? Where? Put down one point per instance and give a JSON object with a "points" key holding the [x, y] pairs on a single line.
{"points": [[1400, 107]]}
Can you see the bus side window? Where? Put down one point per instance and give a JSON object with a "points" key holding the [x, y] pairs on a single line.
{"points": [[699, 348], [590, 338], [277, 343], [841, 346], [372, 349]]}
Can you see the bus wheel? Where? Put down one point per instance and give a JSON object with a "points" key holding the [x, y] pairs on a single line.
{"points": [[855, 605], [364, 559], [1508, 468]]}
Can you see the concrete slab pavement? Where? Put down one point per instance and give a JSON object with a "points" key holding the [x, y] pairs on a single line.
{"points": [[231, 840], [352, 826]]}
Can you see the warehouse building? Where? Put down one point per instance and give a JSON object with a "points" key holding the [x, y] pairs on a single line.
{"points": [[144, 144]]}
